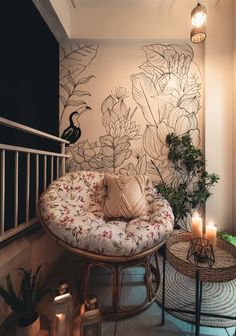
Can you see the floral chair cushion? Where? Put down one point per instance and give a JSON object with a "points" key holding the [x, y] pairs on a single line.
{"points": [[72, 209]]}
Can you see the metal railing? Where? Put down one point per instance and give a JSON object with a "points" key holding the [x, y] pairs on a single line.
{"points": [[54, 162]]}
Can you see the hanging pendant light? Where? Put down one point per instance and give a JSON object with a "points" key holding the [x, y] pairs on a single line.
{"points": [[198, 20]]}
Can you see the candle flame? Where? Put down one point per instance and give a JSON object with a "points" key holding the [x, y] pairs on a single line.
{"points": [[196, 214], [210, 224], [60, 316]]}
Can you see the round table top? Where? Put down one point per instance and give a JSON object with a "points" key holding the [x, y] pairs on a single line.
{"points": [[223, 269]]}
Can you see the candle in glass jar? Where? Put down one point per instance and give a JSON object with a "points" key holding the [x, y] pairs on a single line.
{"points": [[60, 325], [196, 226], [211, 231]]}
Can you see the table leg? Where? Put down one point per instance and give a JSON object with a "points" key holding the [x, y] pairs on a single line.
{"points": [[198, 303], [163, 285]]}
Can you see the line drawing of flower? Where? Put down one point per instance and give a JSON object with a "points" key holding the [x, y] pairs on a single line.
{"points": [[113, 148]]}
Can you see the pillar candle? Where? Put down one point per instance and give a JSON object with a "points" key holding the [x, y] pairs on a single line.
{"points": [[211, 231], [196, 226]]}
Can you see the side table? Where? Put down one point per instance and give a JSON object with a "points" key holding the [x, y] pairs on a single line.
{"points": [[224, 269]]}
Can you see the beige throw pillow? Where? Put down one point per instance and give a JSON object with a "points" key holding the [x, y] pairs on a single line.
{"points": [[126, 197]]}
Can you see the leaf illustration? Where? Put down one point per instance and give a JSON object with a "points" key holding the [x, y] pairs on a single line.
{"points": [[154, 139], [62, 99], [93, 145], [109, 117], [191, 105], [85, 80], [155, 55], [145, 94], [151, 142], [95, 163], [141, 167], [174, 115], [182, 125], [108, 104], [75, 101], [162, 131], [121, 144], [128, 170], [115, 150], [75, 57], [121, 109], [108, 162], [80, 93], [193, 120], [195, 135], [106, 140], [120, 157], [185, 49], [150, 69], [66, 88]]}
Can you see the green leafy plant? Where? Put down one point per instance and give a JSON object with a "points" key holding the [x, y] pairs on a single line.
{"points": [[31, 291], [228, 237], [189, 186]]}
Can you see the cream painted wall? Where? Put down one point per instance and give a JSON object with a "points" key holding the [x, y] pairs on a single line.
{"points": [[29, 251], [234, 118], [218, 111]]}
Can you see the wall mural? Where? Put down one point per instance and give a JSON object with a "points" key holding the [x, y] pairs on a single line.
{"points": [[163, 96], [74, 59]]}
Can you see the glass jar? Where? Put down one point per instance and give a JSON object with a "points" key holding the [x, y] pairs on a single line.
{"points": [[62, 311]]}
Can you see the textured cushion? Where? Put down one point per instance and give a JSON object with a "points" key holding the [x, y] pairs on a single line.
{"points": [[72, 210], [125, 196]]}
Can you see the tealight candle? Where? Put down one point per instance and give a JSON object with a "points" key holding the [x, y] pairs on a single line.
{"points": [[211, 231], [196, 226]]}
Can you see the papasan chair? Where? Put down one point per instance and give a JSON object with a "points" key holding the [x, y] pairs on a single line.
{"points": [[114, 222]]}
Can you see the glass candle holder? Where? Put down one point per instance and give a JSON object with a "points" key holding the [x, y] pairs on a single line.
{"points": [[62, 312], [90, 318]]}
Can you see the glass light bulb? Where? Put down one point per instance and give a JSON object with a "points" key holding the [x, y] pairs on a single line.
{"points": [[199, 19]]}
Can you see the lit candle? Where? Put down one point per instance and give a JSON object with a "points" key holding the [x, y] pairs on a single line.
{"points": [[196, 226], [60, 325], [211, 231]]}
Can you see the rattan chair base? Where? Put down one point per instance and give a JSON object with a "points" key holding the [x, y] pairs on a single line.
{"points": [[151, 281]]}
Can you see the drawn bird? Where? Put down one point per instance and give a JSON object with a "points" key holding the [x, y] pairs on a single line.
{"points": [[73, 132]]}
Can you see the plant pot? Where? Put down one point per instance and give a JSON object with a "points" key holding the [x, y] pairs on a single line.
{"points": [[32, 329]]}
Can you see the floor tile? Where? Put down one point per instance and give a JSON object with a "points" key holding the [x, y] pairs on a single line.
{"points": [[134, 270], [148, 323], [133, 290]]}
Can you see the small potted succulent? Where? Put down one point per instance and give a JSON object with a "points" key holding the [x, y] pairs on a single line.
{"points": [[24, 303]]}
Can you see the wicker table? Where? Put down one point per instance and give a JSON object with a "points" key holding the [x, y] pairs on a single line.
{"points": [[224, 269]]}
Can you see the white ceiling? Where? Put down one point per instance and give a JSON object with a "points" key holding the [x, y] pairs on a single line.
{"points": [[137, 3]]}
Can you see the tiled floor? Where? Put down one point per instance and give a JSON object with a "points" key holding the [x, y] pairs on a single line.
{"points": [[144, 324]]}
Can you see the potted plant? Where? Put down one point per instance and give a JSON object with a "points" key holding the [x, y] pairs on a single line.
{"points": [[188, 186], [24, 302]]}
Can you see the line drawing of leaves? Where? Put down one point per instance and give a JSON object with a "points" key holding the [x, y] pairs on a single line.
{"points": [[73, 61], [154, 54], [74, 58], [167, 91], [145, 93]]}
